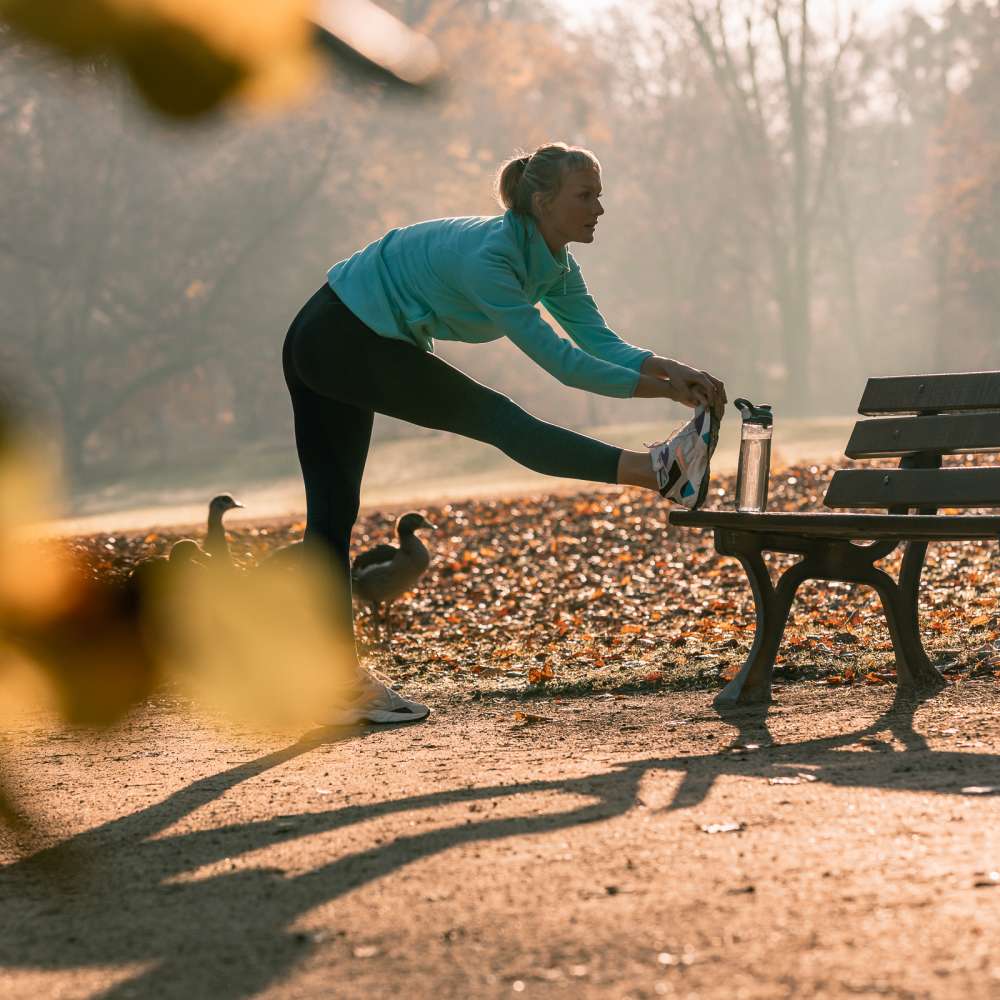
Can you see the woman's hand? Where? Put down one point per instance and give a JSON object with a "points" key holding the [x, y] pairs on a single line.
{"points": [[690, 386]]}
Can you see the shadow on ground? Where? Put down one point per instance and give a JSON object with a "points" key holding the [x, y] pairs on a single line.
{"points": [[108, 896]]}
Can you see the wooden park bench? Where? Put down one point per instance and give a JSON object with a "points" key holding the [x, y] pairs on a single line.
{"points": [[918, 418]]}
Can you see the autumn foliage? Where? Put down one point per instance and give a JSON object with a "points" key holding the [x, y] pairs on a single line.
{"points": [[160, 356], [594, 589]]}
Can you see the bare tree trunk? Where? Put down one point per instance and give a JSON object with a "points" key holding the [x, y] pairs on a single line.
{"points": [[791, 216]]}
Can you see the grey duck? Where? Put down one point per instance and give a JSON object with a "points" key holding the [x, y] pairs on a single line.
{"points": [[148, 577], [382, 574], [216, 544]]}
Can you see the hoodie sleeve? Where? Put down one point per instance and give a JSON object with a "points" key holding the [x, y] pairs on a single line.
{"points": [[576, 311], [492, 286]]}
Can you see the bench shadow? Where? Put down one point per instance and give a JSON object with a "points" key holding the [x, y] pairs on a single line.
{"points": [[825, 759], [229, 934]]}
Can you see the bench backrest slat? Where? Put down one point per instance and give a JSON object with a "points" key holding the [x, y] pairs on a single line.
{"points": [[937, 488], [949, 434], [931, 393]]}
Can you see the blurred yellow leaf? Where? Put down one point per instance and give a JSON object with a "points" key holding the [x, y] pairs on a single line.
{"points": [[185, 56], [261, 646], [34, 575]]}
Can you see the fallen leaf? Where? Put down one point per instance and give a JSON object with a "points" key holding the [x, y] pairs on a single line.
{"points": [[528, 719], [723, 827], [846, 638], [540, 676]]}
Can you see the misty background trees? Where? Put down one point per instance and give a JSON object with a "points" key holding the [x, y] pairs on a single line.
{"points": [[794, 201]]}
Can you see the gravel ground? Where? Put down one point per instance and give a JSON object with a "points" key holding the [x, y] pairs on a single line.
{"points": [[611, 845]]}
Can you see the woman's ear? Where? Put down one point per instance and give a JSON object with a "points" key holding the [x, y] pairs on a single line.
{"points": [[537, 204]]}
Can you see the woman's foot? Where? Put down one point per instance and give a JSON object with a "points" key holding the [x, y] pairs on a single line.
{"points": [[374, 701], [681, 464]]}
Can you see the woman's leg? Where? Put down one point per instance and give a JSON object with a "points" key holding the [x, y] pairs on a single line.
{"points": [[338, 372], [348, 362], [636, 469], [332, 439]]}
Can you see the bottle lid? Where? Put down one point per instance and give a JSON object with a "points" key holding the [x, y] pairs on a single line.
{"points": [[759, 414]]}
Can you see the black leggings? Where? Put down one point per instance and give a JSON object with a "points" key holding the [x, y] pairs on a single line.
{"points": [[340, 373]]}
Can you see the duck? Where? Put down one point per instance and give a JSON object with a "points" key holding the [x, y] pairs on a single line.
{"points": [[382, 574], [284, 557], [186, 551], [148, 576], [216, 544]]}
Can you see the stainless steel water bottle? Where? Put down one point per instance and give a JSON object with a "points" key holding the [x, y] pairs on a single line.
{"points": [[755, 456]]}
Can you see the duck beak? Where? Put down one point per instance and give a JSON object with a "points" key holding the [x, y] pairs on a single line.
{"points": [[427, 524], [236, 503]]}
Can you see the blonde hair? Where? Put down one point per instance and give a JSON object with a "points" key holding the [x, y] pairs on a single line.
{"points": [[542, 172]]}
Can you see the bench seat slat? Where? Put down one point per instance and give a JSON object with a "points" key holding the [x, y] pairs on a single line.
{"points": [[931, 393], [951, 434], [914, 488], [923, 527]]}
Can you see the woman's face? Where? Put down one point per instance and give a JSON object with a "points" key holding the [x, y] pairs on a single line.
{"points": [[571, 216]]}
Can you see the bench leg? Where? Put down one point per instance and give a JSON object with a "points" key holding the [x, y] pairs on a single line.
{"points": [[826, 560], [914, 671], [752, 685]]}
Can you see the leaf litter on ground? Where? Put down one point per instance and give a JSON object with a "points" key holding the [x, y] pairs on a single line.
{"points": [[593, 591]]}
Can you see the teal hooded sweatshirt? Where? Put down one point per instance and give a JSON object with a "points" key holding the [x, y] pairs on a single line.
{"points": [[477, 279]]}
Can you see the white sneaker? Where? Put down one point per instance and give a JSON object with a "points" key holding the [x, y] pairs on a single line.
{"points": [[681, 463], [376, 702]]}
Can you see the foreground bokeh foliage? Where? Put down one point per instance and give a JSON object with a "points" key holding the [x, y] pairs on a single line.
{"points": [[79, 648], [188, 57]]}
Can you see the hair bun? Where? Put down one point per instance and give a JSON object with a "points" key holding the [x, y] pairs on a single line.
{"points": [[549, 163]]}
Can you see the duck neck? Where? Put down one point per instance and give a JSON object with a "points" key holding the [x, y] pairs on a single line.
{"points": [[409, 541], [215, 538], [414, 548]]}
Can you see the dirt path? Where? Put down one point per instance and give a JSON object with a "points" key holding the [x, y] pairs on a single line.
{"points": [[479, 856]]}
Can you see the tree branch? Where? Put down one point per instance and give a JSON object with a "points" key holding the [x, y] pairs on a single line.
{"points": [[755, 140], [830, 132], [93, 418]]}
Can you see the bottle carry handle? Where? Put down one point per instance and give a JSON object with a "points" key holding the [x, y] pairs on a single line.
{"points": [[759, 414]]}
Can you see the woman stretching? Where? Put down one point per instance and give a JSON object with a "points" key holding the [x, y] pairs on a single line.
{"points": [[363, 345]]}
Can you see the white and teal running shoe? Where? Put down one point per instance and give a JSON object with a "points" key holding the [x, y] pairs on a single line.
{"points": [[681, 463]]}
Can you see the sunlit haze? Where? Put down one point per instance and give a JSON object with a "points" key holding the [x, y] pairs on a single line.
{"points": [[586, 12]]}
